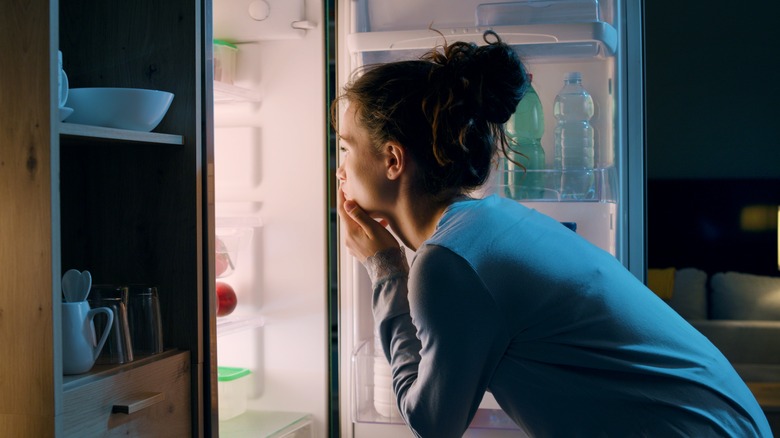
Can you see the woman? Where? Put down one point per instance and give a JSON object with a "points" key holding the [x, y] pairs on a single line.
{"points": [[500, 297]]}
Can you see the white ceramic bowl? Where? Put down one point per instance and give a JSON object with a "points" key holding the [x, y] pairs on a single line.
{"points": [[124, 108]]}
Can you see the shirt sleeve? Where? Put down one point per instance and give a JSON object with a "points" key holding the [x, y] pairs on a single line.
{"points": [[443, 335]]}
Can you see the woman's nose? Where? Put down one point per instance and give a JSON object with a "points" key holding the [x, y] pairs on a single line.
{"points": [[340, 174]]}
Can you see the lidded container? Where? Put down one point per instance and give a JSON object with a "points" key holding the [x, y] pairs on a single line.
{"points": [[232, 391], [225, 61]]}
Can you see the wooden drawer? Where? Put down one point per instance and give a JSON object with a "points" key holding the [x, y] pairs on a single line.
{"points": [[155, 391]]}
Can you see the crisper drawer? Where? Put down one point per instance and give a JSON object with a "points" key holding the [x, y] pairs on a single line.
{"points": [[148, 397]]}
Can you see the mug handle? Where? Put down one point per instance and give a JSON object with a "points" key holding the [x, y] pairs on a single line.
{"points": [[64, 88], [109, 324]]}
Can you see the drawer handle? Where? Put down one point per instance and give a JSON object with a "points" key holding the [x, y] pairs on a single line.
{"points": [[138, 402]]}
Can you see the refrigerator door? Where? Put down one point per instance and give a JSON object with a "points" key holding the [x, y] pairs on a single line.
{"points": [[599, 39]]}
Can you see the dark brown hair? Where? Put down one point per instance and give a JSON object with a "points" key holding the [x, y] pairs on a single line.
{"points": [[447, 109]]}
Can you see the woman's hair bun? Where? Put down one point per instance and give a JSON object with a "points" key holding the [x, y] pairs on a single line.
{"points": [[447, 109], [505, 79], [492, 77]]}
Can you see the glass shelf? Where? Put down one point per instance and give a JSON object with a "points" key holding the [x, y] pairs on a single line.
{"points": [[228, 325], [268, 425], [227, 93]]}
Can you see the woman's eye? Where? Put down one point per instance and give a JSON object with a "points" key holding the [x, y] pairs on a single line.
{"points": [[342, 149]]}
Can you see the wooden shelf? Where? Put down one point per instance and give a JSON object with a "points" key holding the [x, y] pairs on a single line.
{"points": [[98, 132], [103, 371]]}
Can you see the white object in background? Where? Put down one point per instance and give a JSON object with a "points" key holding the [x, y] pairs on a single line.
{"points": [[384, 398], [242, 21]]}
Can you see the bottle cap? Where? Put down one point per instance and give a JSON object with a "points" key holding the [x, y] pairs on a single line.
{"points": [[573, 76]]}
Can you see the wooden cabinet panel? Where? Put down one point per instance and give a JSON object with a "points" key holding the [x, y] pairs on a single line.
{"points": [[156, 394]]}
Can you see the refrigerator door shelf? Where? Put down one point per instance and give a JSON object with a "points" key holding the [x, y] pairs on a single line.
{"points": [[537, 11], [587, 35], [374, 401], [547, 185]]}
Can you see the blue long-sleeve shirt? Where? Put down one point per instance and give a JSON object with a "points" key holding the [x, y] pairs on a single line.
{"points": [[503, 298]]}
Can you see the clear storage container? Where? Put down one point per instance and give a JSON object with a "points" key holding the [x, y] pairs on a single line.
{"points": [[232, 391], [225, 61], [232, 235]]}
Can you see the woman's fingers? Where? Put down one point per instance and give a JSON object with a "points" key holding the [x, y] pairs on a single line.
{"points": [[364, 236]]}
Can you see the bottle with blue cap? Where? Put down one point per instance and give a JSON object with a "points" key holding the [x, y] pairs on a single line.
{"points": [[574, 139]]}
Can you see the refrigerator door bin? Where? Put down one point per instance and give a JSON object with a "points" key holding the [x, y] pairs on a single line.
{"points": [[545, 185], [556, 40], [537, 12], [374, 400]]}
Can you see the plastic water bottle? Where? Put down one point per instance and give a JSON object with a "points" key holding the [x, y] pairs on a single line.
{"points": [[525, 129], [574, 142]]}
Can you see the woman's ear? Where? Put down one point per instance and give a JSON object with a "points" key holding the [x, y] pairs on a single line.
{"points": [[395, 160]]}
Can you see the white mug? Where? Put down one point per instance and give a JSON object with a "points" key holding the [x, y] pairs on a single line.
{"points": [[79, 349], [62, 82]]}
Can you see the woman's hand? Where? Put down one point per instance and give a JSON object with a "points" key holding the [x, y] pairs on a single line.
{"points": [[364, 235]]}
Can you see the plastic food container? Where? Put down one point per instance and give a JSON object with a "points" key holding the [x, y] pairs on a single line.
{"points": [[224, 61], [233, 235], [232, 387]]}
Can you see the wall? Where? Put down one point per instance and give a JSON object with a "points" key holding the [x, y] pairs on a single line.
{"points": [[713, 135], [713, 89]]}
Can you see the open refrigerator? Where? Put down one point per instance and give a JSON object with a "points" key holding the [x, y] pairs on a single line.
{"points": [[273, 166]]}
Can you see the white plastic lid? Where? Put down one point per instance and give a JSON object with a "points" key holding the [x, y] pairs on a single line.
{"points": [[573, 76]]}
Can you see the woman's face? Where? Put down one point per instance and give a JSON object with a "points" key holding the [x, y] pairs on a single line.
{"points": [[361, 173]]}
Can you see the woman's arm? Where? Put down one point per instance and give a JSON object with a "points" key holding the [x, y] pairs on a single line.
{"points": [[444, 338]]}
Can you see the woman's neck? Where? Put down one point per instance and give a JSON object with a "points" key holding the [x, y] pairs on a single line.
{"points": [[416, 217]]}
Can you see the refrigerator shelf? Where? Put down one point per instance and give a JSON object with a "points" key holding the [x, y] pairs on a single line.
{"points": [[227, 93], [596, 35], [228, 325], [268, 425]]}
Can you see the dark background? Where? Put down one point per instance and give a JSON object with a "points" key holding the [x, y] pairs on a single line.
{"points": [[713, 135]]}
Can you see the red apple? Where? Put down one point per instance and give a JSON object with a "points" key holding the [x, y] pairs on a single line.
{"points": [[226, 299], [221, 258]]}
